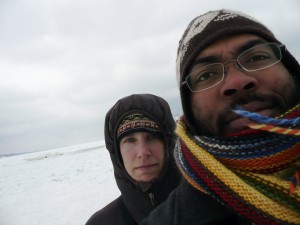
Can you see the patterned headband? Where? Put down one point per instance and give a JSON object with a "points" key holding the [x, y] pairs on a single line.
{"points": [[136, 122]]}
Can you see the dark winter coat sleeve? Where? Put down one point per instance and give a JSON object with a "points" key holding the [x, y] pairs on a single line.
{"points": [[188, 206], [115, 213]]}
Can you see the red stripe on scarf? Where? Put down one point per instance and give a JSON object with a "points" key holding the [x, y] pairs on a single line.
{"points": [[232, 200]]}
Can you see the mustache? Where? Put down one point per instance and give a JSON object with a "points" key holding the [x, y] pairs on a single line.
{"points": [[256, 97], [253, 97]]}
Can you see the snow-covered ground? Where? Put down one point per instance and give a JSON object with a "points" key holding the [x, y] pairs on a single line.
{"points": [[56, 187]]}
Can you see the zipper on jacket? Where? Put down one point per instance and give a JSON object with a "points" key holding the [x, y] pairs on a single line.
{"points": [[152, 199]]}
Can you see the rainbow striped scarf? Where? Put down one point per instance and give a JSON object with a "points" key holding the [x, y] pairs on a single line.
{"points": [[255, 172]]}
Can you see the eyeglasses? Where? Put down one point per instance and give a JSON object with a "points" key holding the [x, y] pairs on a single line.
{"points": [[256, 58]]}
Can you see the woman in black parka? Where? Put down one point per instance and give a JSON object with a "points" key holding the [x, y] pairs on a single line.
{"points": [[138, 199]]}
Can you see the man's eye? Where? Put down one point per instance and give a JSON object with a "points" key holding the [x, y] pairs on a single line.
{"points": [[257, 57], [203, 76]]}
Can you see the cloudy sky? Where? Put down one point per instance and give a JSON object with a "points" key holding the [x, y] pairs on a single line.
{"points": [[64, 63]]}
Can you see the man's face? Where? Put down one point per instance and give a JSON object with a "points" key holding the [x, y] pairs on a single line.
{"points": [[143, 155], [269, 91]]}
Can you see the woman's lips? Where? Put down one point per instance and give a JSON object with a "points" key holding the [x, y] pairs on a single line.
{"points": [[145, 167]]}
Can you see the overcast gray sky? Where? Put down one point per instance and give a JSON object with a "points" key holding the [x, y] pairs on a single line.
{"points": [[64, 63]]}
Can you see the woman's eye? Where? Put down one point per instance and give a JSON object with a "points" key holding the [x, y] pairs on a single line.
{"points": [[152, 137], [128, 140]]}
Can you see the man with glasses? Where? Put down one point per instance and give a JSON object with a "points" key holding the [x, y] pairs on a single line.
{"points": [[239, 137]]}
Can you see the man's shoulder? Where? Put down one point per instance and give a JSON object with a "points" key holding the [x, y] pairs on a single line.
{"points": [[189, 206]]}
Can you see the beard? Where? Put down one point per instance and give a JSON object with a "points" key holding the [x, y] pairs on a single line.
{"points": [[206, 123]]}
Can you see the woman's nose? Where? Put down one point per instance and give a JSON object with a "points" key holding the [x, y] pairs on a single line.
{"points": [[143, 150]]}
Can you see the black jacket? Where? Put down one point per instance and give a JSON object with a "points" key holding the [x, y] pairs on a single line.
{"points": [[188, 206], [134, 205]]}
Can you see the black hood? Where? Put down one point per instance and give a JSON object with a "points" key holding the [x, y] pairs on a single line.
{"points": [[158, 110]]}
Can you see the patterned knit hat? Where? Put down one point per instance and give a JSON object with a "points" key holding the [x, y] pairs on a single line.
{"points": [[210, 27], [136, 122]]}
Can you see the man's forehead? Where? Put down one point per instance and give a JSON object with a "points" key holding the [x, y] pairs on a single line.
{"points": [[231, 44]]}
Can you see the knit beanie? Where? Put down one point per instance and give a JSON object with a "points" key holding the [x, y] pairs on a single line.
{"points": [[210, 27], [136, 122]]}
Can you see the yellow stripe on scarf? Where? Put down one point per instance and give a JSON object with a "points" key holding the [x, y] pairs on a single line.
{"points": [[275, 129], [236, 184]]}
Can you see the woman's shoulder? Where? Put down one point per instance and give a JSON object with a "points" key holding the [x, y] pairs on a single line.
{"points": [[113, 213]]}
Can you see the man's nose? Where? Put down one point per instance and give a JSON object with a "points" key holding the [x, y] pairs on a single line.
{"points": [[236, 80]]}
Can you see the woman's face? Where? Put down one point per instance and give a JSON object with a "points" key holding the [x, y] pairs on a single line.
{"points": [[143, 155]]}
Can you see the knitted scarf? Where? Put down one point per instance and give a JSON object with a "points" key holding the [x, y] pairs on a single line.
{"points": [[254, 172]]}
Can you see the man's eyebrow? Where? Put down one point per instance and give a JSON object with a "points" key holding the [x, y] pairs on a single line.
{"points": [[249, 44], [205, 59], [238, 50]]}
